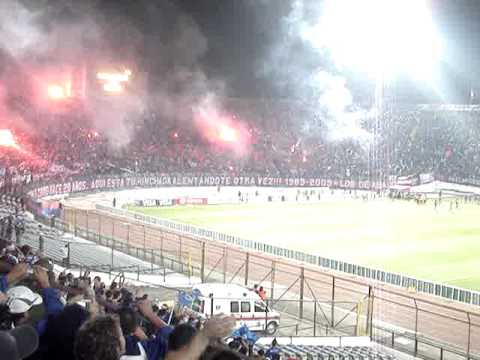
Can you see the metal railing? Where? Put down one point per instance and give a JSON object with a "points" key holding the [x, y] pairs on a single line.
{"points": [[408, 282], [319, 318], [448, 326]]}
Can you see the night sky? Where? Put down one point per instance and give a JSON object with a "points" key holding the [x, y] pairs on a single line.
{"points": [[239, 34], [236, 39]]}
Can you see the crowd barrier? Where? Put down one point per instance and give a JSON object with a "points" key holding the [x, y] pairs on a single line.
{"points": [[149, 266], [426, 325], [410, 283], [427, 322]]}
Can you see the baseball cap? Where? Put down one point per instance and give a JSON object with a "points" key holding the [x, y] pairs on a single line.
{"points": [[21, 299], [18, 343]]}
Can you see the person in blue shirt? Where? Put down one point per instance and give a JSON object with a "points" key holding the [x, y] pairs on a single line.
{"points": [[136, 341], [274, 351], [50, 297]]}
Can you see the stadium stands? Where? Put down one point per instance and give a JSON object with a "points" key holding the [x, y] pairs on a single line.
{"points": [[424, 142], [331, 352], [412, 141], [275, 148], [83, 253], [57, 289]]}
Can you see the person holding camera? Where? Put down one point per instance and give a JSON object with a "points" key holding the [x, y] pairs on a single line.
{"points": [[21, 299], [137, 344]]}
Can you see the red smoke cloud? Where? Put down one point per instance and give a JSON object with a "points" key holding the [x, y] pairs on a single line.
{"points": [[222, 130]]}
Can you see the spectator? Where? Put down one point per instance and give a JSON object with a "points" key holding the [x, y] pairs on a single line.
{"points": [[191, 347], [51, 296], [222, 354], [157, 346], [69, 279], [136, 341], [133, 334], [97, 282], [19, 228], [164, 313], [239, 345], [273, 353], [180, 337], [17, 273], [27, 250], [61, 330], [18, 343], [100, 338], [262, 293], [260, 355], [66, 255], [21, 299]]}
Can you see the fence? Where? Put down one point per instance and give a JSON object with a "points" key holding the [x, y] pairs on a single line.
{"points": [[421, 286], [149, 266], [395, 318]]}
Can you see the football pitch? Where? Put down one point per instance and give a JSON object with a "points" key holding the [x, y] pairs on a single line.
{"points": [[440, 245]]}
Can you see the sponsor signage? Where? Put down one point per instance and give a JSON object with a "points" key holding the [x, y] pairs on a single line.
{"points": [[154, 202]]}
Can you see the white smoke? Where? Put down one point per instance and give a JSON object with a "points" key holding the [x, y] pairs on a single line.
{"points": [[336, 103], [32, 28], [304, 69], [18, 32]]}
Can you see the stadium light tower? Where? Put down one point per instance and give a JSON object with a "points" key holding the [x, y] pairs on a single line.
{"points": [[380, 37], [383, 38], [114, 82]]}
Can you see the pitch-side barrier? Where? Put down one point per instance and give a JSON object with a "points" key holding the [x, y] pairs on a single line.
{"points": [[407, 282], [421, 325]]}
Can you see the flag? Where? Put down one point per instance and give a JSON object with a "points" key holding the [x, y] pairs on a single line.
{"points": [[245, 333], [185, 299]]}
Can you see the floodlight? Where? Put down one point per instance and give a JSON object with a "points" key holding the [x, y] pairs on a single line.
{"points": [[56, 92], [113, 86], [386, 36]]}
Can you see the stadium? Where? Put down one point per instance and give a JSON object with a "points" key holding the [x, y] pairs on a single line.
{"points": [[165, 195]]}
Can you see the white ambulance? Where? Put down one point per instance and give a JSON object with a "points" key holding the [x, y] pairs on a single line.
{"points": [[234, 300]]}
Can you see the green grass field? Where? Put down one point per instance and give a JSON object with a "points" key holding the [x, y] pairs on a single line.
{"points": [[398, 236]]}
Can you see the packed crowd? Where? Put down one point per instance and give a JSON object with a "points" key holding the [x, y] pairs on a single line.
{"points": [[445, 143], [47, 313], [284, 138]]}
